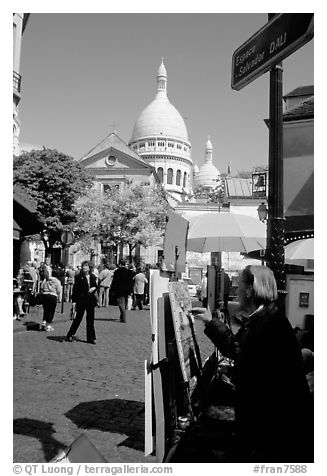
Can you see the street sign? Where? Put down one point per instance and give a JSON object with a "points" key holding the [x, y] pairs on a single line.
{"points": [[67, 237], [277, 39]]}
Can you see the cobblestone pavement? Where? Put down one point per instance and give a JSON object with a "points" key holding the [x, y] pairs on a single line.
{"points": [[63, 389]]}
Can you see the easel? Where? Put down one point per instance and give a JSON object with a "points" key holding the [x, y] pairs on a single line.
{"points": [[181, 412]]}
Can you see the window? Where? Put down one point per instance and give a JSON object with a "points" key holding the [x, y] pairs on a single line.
{"points": [[151, 143], [179, 146], [111, 160], [171, 144], [142, 145], [184, 180], [170, 176], [160, 174], [178, 177], [107, 187]]}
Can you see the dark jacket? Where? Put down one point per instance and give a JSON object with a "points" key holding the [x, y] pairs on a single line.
{"points": [[122, 282], [274, 408], [81, 288]]}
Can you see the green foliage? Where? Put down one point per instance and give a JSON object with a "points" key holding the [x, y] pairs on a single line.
{"points": [[54, 181], [214, 195], [135, 215]]}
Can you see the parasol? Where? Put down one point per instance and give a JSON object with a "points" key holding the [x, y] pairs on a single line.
{"points": [[213, 232], [299, 250]]}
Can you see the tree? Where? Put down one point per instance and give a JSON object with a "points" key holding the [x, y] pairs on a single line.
{"points": [[54, 181], [136, 215]]}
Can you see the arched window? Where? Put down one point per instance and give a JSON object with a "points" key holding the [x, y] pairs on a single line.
{"points": [[170, 176], [178, 177], [184, 180], [160, 174]]}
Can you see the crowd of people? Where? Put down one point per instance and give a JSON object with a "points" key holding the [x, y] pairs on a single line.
{"points": [[41, 283]]}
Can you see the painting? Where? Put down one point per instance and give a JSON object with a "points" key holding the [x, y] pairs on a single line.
{"points": [[188, 349]]}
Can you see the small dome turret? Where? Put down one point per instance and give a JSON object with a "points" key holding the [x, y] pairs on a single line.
{"points": [[208, 176]]}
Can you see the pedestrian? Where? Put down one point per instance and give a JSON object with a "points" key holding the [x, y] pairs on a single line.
{"points": [[58, 272], [273, 410], [132, 269], [105, 278], [138, 289], [122, 287], [70, 279], [47, 265], [147, 285], [204, 290], [18, 301], [84, 290], [50, 289], [35, 276]]}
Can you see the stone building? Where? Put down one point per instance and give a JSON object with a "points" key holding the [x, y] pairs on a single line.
{"points": [[160, 138], [19, 24]]}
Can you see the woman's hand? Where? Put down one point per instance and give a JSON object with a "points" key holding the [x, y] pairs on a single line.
{"points": [[202, 314], [91, 290]]}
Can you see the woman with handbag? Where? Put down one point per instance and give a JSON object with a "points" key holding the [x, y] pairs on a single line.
{"points": [[84, 295], [51, 289]]}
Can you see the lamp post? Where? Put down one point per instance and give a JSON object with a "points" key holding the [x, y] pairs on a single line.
{"points": [[276, 219], [263, 216], [262, 212]]}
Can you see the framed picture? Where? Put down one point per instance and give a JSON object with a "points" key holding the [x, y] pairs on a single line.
{"points": [[304, 299]]}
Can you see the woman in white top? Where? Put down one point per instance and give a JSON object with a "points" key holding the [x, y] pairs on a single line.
{"points": [[51, 290], [139, 285]]}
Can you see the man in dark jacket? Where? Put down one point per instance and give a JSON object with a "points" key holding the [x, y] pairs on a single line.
{"points": [[274, 408], [122, 287]]}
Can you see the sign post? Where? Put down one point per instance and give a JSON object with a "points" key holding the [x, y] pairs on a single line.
{"points": [[67, 238], [276, 40]]}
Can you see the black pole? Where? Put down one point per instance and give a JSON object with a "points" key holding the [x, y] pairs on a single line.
{"points": [[64, 286], [276, 220]]}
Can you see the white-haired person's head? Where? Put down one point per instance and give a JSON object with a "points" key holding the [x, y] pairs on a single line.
{"points": [[257, 285]]}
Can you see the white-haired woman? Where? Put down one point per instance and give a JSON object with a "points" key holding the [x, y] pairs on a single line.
{"points": [[273, 411]]}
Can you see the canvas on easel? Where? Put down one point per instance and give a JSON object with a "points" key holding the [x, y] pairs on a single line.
{"points": [[187, 346]]}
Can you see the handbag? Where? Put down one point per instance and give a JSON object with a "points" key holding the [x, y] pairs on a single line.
{"points": [[35, 299], [72, 313], [129, 303]]}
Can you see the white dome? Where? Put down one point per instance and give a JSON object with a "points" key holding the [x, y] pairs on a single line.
{"points": [[208, 175], [160, 117]]}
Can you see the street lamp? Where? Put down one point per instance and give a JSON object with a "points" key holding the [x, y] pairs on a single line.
{"points": [[262, 212], [263, 215]]}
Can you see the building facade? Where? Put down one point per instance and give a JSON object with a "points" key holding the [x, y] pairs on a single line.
{"points": [[113, 163], [19, 24]]}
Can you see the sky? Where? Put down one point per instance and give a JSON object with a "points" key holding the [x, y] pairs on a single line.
{"points": [[85, 75]]}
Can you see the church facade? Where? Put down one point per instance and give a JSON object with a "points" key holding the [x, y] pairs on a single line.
{"points": [[159, 151]]}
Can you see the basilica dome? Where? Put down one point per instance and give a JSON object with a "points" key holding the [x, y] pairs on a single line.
{"points": [[208, 176], [160, 117]]}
